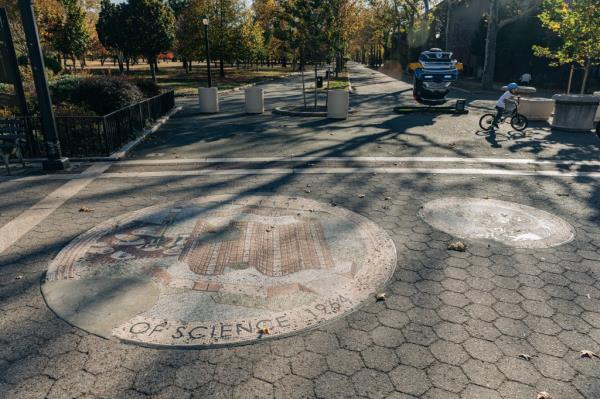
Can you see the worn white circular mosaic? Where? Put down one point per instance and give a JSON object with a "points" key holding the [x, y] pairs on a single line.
{"points": [[216, 270], [509, 223]]}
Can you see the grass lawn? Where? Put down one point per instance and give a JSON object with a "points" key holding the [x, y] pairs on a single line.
{"points": [[339, 83], [171, 75]]}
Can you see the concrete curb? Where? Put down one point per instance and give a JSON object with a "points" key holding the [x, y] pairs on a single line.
{"points": [[350, 87], [461, 90], [126, 149], [282, 111]]}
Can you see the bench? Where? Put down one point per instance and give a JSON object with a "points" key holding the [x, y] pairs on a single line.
{"points": [[12, 138]]}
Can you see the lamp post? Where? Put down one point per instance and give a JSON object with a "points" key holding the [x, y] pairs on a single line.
{"points": [[55, 159], [209, 77]]}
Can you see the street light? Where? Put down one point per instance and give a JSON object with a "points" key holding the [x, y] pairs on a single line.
{"points": [[209, 77], [55, 159]]}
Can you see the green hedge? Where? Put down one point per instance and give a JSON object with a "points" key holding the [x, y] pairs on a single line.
{"points": [[100, 95]]}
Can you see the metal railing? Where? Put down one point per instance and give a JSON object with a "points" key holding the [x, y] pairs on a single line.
{"points": [[93, 136]]}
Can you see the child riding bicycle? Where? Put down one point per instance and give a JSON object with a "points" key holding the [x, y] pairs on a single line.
{"points": [[507, 96]]}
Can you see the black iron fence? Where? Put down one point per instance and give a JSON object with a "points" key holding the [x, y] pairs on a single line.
{"points": [[93, 136]]}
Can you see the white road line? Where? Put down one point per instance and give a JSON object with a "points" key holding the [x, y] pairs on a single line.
{"points": [[312, 170], [333, 171], [12, 231], [512, 161]]}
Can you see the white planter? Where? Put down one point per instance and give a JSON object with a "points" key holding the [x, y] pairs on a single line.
{"points": [[338, 102], [523, 89], [575, 112], [208, 99], [597, 94], [536, 108], [255, 103]]}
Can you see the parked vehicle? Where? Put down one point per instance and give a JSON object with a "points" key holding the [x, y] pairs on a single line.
{"points": [[434, 74]]}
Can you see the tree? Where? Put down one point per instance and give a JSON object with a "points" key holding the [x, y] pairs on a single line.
{"points": [[224, 17], [113, 31], [577, 25], [189, 32], [178, 6], [71, 36], [151, 28], [249, 39], [514, 10], [342, 28], [309, 21], [50, 14], [265, 12]]}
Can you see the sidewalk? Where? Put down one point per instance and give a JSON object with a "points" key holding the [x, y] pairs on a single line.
{"points": [[453, 324]]}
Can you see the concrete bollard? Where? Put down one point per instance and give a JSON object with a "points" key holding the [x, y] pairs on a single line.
{"points": [[574, 113], [208, 99], [254, 100], [338, 102], [536, 108]]}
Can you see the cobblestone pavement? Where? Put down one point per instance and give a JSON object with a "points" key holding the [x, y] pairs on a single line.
{"points": [[375, 130], [454, 325]]}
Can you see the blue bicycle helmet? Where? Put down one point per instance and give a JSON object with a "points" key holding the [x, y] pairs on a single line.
{"points": [[512, 86]]}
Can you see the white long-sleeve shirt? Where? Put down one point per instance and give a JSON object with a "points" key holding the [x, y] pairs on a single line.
{"points": [[502, 100]]}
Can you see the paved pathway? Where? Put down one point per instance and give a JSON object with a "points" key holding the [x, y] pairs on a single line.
{"points": [[375, 130], [454, 323]]}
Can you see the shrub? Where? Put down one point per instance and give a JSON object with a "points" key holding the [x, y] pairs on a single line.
{"points": [[63, 86], [104, 95], [148, 87], [69, 109], [51, 63]]}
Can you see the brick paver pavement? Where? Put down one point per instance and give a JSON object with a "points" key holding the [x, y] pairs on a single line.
{"points": [[454, 325]]}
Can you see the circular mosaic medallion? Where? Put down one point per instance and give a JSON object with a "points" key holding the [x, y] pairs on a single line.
{"points": [[216, 271], [505, 222]]}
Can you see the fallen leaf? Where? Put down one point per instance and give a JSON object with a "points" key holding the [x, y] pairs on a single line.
{"points": [[590, 354], [85, 209], [525, 356], [457, 246], [264, 331], [543, 395], [380, 296]]}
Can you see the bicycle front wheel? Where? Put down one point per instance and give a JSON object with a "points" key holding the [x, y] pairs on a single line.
{"points": [[519, 122], [486, 121]]}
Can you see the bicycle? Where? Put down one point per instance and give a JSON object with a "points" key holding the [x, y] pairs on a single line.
{"points": [[518, 121]]}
